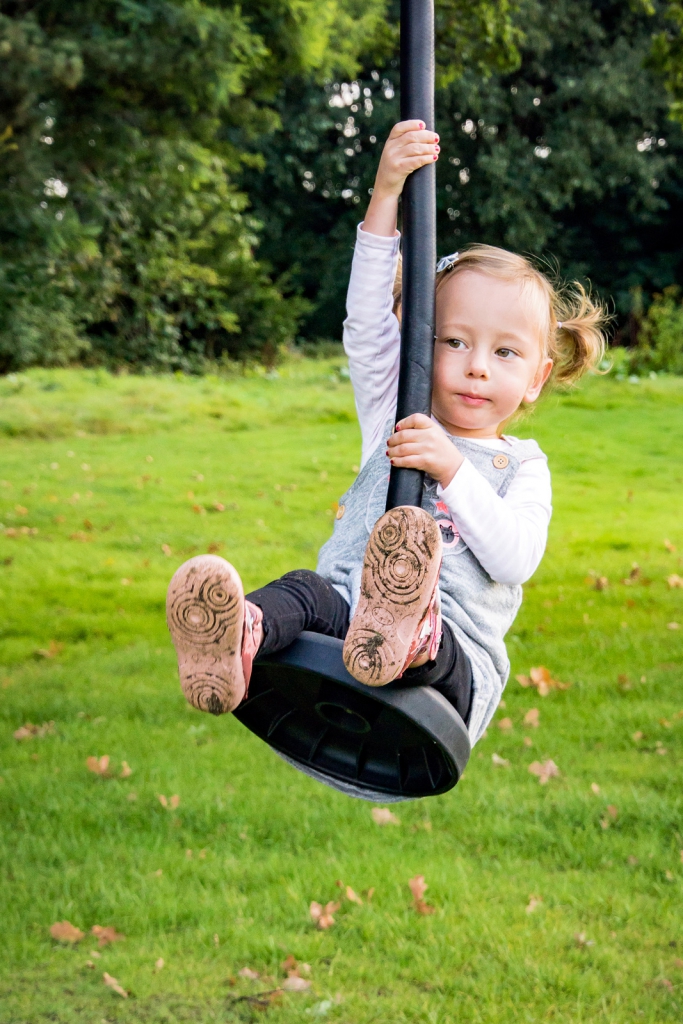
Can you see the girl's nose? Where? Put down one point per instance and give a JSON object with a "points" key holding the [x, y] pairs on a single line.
{"points": [[478, 367]]}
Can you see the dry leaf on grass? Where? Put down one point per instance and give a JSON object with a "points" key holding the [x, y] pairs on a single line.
{"points": [[51, 651], [673, 625], [500, 762], [595, 788], [170, 803], [126, 770], [542, 680], [294, 983], [545, 771], [582, 942], [28, 731], [64, 931], [98, 765], [532, 718], [113, 984], [674, 580], [633, 576], [352, 896], [383, 816], [505, 724], [105, 935], [323, 916], [247, 972], [671, 548], [418, 888], [167, 550], [159, 964], [534, 902]]}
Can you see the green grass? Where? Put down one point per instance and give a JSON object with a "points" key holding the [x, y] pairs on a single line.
{"points": [[109, 470]]}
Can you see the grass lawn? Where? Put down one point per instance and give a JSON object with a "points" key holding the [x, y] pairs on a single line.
{"points": [[557, 902]]}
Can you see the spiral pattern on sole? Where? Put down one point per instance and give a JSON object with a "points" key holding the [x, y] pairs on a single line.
{"points": [[400, 572], [205, 615], [398, 555], [366, 657]]}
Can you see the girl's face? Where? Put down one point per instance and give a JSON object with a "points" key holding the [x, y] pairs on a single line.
{"points": [[488, 357]]}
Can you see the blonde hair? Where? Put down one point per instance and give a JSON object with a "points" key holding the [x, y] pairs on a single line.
{"points": [[572, 323]]}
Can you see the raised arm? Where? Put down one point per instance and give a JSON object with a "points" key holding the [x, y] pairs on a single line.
{"points": [[371, 330]]}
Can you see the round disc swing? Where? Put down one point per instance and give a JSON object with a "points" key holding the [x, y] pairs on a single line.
{"points": [[390, 741]]}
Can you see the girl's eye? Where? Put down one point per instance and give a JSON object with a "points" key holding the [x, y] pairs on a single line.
{"points": [[455, 343], [505, 352]]}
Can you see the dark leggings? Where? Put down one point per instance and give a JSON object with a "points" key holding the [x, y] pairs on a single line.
{"points": [[302, 600]]}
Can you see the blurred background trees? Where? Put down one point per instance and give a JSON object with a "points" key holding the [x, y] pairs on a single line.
{"points": [[181, 180]]}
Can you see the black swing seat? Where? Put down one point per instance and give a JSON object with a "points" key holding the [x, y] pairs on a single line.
{"points": [[376, 742]]}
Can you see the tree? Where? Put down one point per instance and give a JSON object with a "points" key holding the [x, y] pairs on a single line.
{"points": [[567, 152], [123, 235]]}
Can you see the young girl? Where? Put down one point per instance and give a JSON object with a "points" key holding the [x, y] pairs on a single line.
{"points": [[425, 595]]}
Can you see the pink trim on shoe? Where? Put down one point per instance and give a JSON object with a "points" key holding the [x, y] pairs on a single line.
{"points": [[252, 635], [428, 634]]}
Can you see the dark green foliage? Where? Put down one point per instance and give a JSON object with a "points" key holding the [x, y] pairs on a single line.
{"points": [[660, 338], [122, 235], [579, 178]]}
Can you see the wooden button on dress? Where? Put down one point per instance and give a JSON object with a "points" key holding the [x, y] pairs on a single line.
{"points": [[500, 461], [340, 511]]}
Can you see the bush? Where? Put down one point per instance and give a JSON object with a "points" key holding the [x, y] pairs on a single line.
{"points": [[660, 339]]}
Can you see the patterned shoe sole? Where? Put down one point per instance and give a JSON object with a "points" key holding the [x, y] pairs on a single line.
{"points": [[400, 572], [205, 615]]}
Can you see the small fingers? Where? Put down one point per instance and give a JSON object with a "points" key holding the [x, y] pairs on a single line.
{"points": [[416, 420], [401, 127]]}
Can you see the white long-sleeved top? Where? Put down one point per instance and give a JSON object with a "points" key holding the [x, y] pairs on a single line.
{"points": [[507, 535]]}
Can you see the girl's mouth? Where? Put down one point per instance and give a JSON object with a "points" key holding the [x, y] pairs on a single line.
{"points": [[473, 400]]}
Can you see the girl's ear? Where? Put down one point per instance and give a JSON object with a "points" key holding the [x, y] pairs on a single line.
{"points": [[541, 376]]}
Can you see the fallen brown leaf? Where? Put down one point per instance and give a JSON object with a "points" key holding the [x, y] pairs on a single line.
{"points": [[528, 742], [665, 983], [534, 902], [671, 548], [352, 896], [51, 651], [383, 816], [500, 762], [290, 963], [582, 941], [595, 788], [113, 984], [159, 964], [166, 548], [532, 718], [505, 724], [673, 625], [294, 983], [28, 731], [674, 580], [106, 934], [247, 972], [98, 765], [633, 576], [544, 772], [418, 887], [612, 811], [126, 770], [542, 680], [323, 916], [64, 931], [170, 803]]}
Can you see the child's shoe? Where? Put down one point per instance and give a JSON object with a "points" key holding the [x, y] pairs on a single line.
{"points": [[215, 631], [398, 618]]}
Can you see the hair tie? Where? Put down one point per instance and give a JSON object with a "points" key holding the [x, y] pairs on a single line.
{"points": [[447, 262], [560, 325]]}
